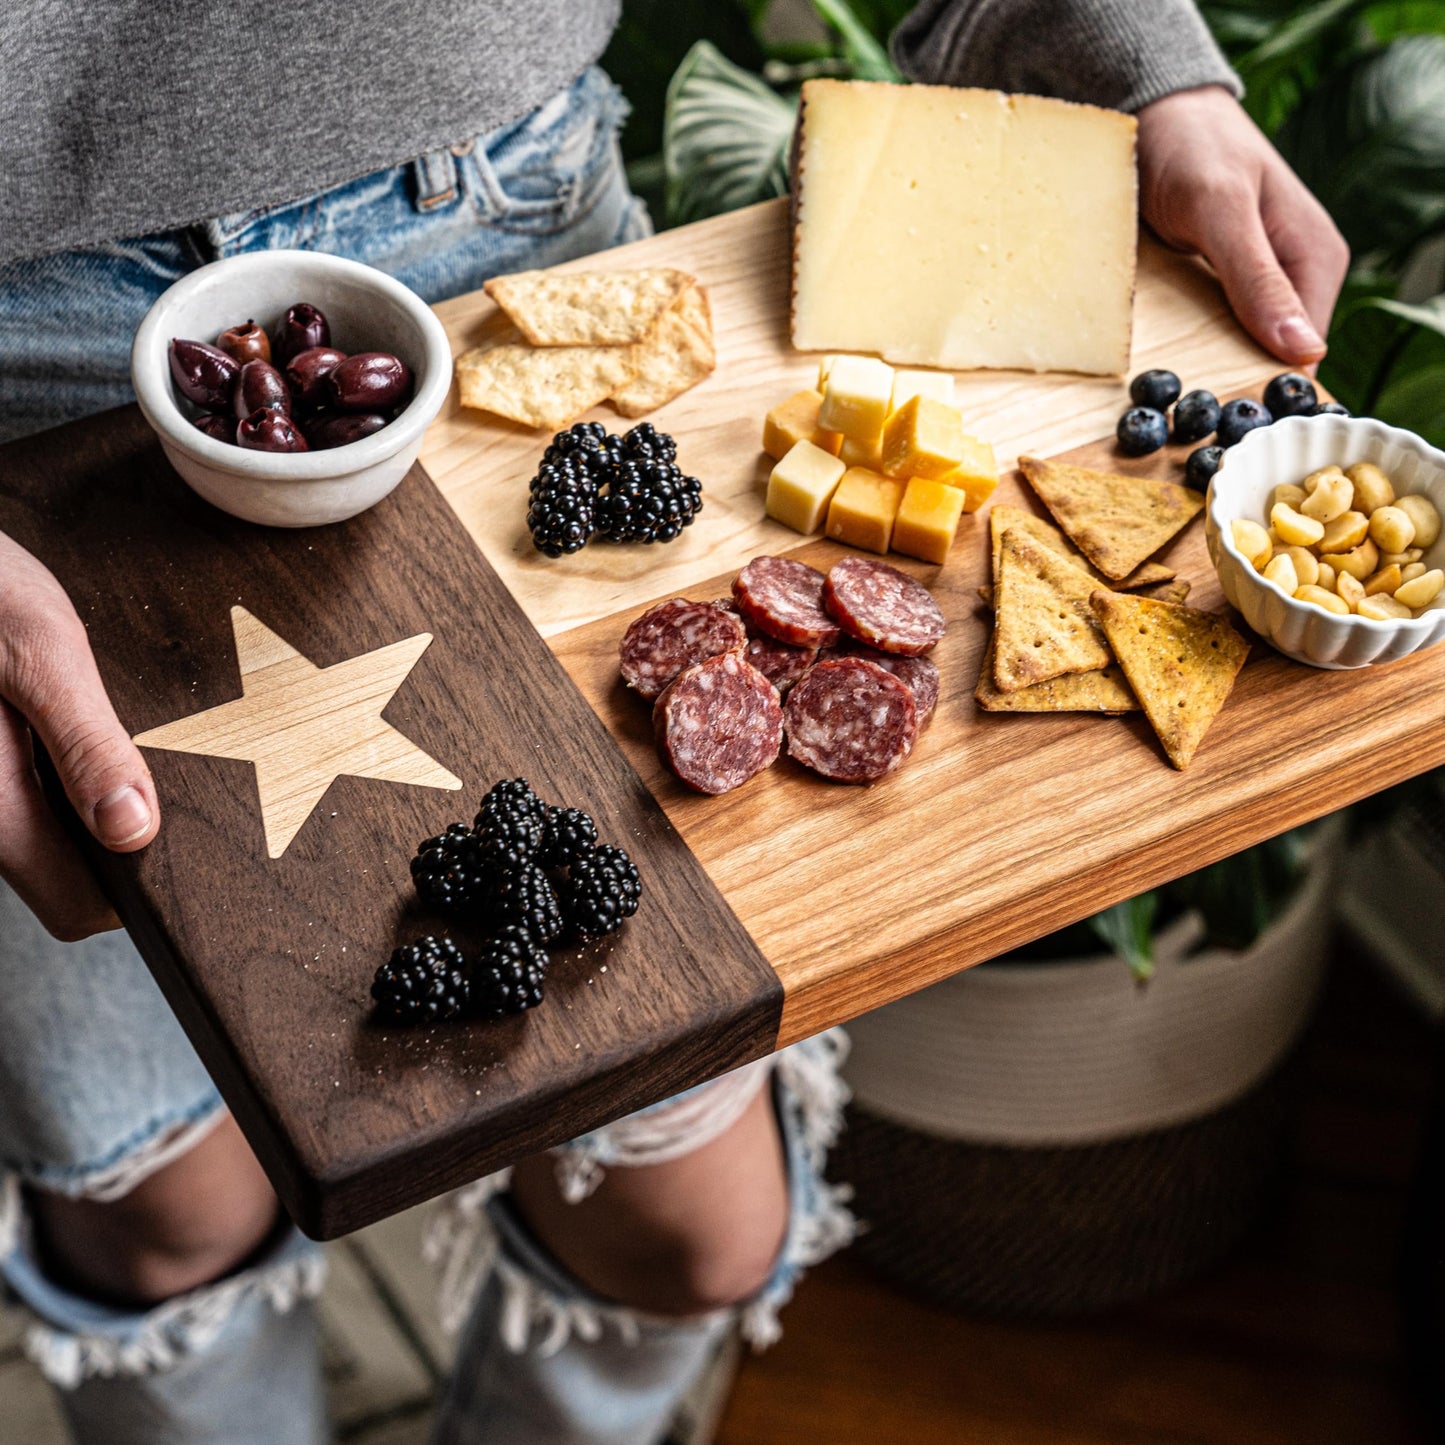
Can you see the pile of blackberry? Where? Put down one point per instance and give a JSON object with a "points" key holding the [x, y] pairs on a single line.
{"points": [[528, 874], [621, 488]]}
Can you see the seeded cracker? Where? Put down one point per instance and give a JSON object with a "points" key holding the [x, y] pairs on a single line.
{"points": [[1101, 691], [544, 386], [587, 308], [1117, 522], [1044, 626], [677, 354], [1180, 661]]}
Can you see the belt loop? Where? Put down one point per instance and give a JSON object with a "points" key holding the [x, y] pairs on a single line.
{"points": [[436, 179]]}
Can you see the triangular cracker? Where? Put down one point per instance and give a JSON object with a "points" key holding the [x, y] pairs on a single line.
{"points": [[677, 354], [1146, 574], [1002, 516], [544, 386], [1117, 522], [1180, 661], [1044, 625], [1101, 691], [587, 308], [1175, 590]]}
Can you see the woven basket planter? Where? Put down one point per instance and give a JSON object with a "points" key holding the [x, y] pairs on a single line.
{"points": [[1051, 1138]]}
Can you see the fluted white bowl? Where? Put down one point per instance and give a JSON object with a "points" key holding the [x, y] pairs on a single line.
{"points": [[1289, 451]]}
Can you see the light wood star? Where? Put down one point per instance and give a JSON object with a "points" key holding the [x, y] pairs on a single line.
{"points": [[303, 726]]}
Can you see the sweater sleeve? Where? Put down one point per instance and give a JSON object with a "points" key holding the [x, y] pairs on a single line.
{"points": [[1116, 53]]}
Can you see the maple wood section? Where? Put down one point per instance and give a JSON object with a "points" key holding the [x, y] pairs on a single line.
{"points": [[1002, 827], [483, 465]]}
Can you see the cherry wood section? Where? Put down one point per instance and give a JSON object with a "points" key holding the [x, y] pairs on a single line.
{"points": [[268, 961]]}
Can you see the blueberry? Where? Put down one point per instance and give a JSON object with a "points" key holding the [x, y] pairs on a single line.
{"points": [[1238, 417], [1202, 464], [1142, 430], [1156, 389], [1329, 408], [1196, 414], [1290, 394]]}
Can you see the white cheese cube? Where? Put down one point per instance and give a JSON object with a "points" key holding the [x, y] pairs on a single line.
{"points": [[856, 397], [802, 485], [907, 384]]}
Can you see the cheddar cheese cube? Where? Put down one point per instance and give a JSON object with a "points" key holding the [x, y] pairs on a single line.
{"points": [[976, 475], [856, 396], [802, 485], [923, 438], [855, 453], [908, 384], [794, 421], [927, 520], [863, 509]]}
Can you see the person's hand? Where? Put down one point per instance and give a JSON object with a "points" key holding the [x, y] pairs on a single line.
{"points": [[1211, 182], [49, 683]]}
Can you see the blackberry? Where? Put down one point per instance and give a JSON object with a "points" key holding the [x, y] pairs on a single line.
{"points": [[448, 871], [561, 520], [422, 982], [645, 442], [510, 824], [523, 897], [603, 888], [570, 833], [507, 976], [648, 500]]}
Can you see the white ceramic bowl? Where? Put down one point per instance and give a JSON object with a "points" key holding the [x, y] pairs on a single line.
{"points": [[1289, 451], [368, 311]]}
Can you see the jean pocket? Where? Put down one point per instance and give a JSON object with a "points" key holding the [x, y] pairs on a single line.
{"points": [[542, 173]]}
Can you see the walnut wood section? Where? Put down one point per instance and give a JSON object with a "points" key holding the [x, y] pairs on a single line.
{"points": [[268, 962], [1002, 827], [483, 465]]}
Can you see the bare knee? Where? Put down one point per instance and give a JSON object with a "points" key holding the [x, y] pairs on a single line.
{"points": [[193, 1221]]}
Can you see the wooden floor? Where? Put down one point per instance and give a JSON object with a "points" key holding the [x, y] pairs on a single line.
{"points": [[1297, 1341]]}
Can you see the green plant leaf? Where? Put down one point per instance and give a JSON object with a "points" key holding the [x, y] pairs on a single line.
{"points": [[865, 54], [1128, 929], [725, 137], [1429, 314], [1416, 401], [1386, 19]]}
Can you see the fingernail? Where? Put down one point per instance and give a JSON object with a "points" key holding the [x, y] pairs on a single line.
{"points": [[121, 817], [1299, 338]]}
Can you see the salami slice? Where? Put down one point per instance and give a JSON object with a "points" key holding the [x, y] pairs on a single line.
{"points": [[674, 635], [719, 723], [919, 674], [883, 607], [851, 721], [780, 662], [785, 599]]}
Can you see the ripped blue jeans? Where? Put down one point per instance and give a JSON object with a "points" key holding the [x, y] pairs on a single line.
{"points": [[98, 1085]]}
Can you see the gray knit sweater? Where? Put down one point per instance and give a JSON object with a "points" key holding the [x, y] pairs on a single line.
{"points": [[121, 117]]}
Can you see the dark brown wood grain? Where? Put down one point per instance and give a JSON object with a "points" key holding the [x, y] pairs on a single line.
{"points": [[268, 963]]}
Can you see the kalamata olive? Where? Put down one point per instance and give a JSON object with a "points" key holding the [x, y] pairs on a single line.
{"points": [[218, 428], [303, 328], [307, 371], [370, 381], [270, 431], [245, 343], [261, 386], [337, 431], [203, 374]]}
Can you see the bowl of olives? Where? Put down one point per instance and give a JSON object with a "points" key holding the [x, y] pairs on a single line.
{"points": [[290, 388]]}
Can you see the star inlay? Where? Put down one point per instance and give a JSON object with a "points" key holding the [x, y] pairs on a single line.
{"points": [[303, 726]]}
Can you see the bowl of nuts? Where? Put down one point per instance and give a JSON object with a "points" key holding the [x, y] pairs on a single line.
{"points": [[290, 388], [1325, 532]]}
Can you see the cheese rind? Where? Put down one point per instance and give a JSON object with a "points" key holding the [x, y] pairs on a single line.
{"points": [[856, 397], [957, 228], [802, 485], [976, 476], [863, 510], [923, 438], [794, 421], [927, 520]]}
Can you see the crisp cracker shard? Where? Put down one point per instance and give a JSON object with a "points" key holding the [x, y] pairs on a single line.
{"points": [[676, 354], [1044, 625], [545, 386], [1117, 522], [1180, 661], [587, 308], [1101, 691], [1172, 591]]}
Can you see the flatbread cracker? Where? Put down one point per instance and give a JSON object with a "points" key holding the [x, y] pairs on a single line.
{"points": [[543, 386], [1117, 522], [1180, 661], [587, 308], [1175, 590], [1044, 624], [1146, 574], [1101, 691], [677, 354]]}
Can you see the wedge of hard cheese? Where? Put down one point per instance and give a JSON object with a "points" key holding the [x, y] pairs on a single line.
{"points": [[962, 228]]}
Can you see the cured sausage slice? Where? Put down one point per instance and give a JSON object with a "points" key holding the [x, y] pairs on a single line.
{"points": [[919, 674], [883, 607], [674, 635], [719, 723], [851, 721], [780, 662], [785, 599]]}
